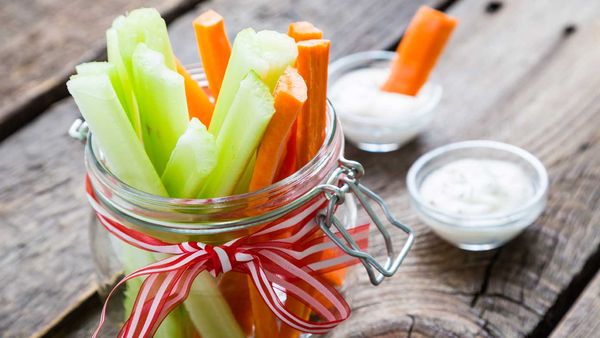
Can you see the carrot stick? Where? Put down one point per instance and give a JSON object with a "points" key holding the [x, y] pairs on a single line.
{"points": [[290, 94], [214, 48], [234, 287], [303, 30], [265, 322], [419, 50], [299, 31], [288, 165], [313, 58], [312, 61], [198, 103]]}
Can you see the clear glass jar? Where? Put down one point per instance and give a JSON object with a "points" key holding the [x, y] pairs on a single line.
{"points": [[216, 221]]}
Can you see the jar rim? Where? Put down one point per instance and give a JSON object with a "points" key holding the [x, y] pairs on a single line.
{"points": [[100, 175]]}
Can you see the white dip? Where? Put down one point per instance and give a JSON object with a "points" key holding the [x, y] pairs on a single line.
{"points": [[359, 93], [372, 116], [473, 187]]}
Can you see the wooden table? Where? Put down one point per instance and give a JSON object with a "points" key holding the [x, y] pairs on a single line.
{"points": [[523, 72]]}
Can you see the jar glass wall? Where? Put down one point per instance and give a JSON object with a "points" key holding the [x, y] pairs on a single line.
{"points": [[228, 298]]}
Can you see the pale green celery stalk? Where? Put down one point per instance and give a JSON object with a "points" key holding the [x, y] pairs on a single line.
{"points": [[192, 160], [127, 97], [105, 116], [99, 68], [160, 94], [267, 53], [143, 25], [125, 155], [244, 183], [240, 135], [209, 311]]}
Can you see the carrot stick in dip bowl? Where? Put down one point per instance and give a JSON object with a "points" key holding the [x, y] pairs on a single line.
{"points": [[419, 50]]}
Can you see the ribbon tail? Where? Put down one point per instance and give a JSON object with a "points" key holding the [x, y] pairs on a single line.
{"points": [[166, 286], [320, 297]]}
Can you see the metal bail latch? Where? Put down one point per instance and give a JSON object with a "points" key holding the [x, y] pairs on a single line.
{"points": [[349, 174], [79, 130]]}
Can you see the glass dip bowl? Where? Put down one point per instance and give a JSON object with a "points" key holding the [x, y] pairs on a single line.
{"points": [[378, 122], [478, 232]]}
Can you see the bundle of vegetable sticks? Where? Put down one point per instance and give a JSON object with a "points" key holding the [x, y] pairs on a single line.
{"points": [[262, 118]]}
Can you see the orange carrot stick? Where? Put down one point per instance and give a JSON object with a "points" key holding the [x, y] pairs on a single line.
{"points": [[303, 30], [419, 50], [265, 322], [198, 103], [288, 165], [299, 31], [290, 94], [214, 48], [313, 58], [234, 287]]}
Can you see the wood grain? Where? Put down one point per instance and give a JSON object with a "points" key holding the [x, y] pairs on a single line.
{"points": [[43, 211], [41, 41], [505, 80], [582, 320]]}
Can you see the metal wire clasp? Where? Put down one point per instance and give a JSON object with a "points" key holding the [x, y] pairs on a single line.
{"points": [[346, 178], [79, 130]]}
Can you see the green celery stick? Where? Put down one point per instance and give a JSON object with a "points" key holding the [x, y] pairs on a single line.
{"points": [[244, 182], [125, 155], [240, 135], [143, 25], [267, 53], [105, 116], [192, 160], [98, 68], [160, 94], [209, 311], [127, 96]]}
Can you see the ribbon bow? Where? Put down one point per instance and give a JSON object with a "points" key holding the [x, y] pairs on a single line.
{"points": [[285, 255]]}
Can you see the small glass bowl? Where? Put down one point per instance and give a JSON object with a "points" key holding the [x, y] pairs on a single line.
{"points": [[480, 232], [381, 133]]}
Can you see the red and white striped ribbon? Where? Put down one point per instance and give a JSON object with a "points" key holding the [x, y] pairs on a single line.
{"points": [[286, 254]]}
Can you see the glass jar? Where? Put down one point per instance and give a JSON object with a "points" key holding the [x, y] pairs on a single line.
{"points": [[228, 303]]}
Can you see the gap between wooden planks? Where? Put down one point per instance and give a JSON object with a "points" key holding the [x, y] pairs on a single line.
{"points": [[582, 320], [517, 73], [503, 81], [41, 187], [40, 44]]}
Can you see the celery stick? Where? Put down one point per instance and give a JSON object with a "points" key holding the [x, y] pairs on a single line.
{"points": [[125, 155], [99, 68], [240, 135], [104, 114], [267, 53], [161, 101], [127, 96], [143, 25], [244, 183], [209, 311], [192, 160]]}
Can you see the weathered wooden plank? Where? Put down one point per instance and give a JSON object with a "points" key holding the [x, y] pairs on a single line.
{"points": [[516, 75], [519, 97], [41, 42], [582, 319], [41, 171]]}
